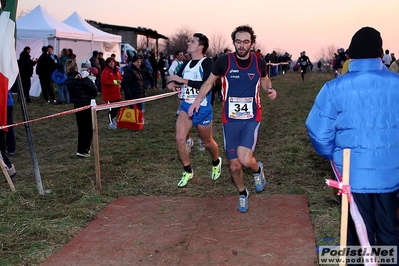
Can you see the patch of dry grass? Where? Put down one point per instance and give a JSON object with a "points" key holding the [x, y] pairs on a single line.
{"points": [[33, 227]]}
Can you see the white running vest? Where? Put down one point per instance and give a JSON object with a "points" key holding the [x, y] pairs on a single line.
{"points": [[189, 94]]}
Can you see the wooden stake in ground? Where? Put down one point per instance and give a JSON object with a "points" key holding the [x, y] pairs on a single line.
{"points": [[95, 144], [7, 176], [344, 205]]}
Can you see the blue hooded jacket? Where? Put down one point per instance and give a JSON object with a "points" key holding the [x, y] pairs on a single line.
{"points": [[360, 111]]}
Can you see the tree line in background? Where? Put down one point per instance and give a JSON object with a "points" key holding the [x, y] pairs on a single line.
{"points": [[218, 42]]}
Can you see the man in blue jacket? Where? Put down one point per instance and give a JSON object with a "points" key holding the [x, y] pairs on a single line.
{"points": [[360, 111]]}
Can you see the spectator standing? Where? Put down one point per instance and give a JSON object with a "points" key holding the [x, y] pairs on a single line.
{"points": [[319, 66], [359, 111], [10, 135], [116, 62], [95, 63], [111, 81], [62, 90], [394, 66], [146, 72], [133, 84], [101, 60], [7, 163], [71, 55], [345, 66], [123, 58], [174, 69], [50, 52], [163, 66], [81, 91], [45, 67], [25, 65], [339, 62], [177, 63], [387, 59], [154, 65]]}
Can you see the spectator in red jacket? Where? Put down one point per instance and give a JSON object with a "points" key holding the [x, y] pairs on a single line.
{"points": [[111, 89]]}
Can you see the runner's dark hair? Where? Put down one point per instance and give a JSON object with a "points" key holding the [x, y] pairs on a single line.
{"points": [[244, 28], [202, 40]]}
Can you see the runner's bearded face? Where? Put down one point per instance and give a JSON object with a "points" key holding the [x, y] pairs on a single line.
{"points": [[243, 44]]}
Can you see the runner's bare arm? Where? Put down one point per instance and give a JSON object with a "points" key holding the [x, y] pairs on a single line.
{"points": [[266, 84], [205, 88]]}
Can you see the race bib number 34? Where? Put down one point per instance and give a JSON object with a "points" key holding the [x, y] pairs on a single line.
{"points": [[241, 108]]}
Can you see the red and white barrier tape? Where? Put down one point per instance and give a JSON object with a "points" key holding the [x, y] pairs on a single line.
{"points": [[97, 108], [47, 117], [356, 217], [336, 171]]}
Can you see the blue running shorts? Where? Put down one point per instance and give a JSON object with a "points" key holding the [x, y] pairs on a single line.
{"points": [[236, 134], [202, 118]]}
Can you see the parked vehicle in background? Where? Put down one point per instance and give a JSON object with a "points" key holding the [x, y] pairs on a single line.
{"points": [[128, 50]]}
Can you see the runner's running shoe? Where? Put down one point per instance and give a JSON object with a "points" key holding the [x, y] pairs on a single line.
{"points": [[185, 177], [216, 170], [243, 202], [189, 143], [201, 146], [260, 180]]}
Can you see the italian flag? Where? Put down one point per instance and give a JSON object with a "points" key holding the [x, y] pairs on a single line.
{"points": [[8, 59]]}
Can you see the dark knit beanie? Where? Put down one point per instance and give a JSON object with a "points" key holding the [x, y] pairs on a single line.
{"points": [[366, 43], [136, 57]]}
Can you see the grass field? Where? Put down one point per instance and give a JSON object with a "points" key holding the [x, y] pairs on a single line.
{"points": [[145, 163]]}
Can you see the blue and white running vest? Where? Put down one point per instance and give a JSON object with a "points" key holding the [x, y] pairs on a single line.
{"points": [[189, 94]]}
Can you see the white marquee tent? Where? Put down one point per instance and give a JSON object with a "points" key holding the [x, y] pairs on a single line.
{"points": [[38, 24], [76, 21], [39, 28], [102, 41]]}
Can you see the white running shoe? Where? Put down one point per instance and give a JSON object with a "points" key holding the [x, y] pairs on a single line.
{"points": [[189, 143], [112, 126], [201, 146]]}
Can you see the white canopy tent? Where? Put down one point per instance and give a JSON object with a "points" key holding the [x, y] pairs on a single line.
{"points": [[102, 41], [39, 27], [38, 23]]}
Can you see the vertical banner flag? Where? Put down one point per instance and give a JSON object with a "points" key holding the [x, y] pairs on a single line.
{"points": [[8, 59]]}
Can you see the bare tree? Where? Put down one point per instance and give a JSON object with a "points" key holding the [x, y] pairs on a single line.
{"points": [[217, 43], [142, 43], [179, 40], [326, 54]]}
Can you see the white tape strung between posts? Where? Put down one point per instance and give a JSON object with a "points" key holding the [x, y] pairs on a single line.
{"points": [[97, 108], [135, 101]]}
